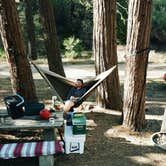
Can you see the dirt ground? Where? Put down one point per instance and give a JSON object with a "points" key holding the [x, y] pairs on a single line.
{"points": [[107, 143]]}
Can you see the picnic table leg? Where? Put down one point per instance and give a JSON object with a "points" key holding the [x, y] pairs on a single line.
{"points": [[49, 160], [46, 160], [49, 134]]}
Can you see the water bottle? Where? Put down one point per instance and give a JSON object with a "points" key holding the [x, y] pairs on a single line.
{"points": [[54, 98]]}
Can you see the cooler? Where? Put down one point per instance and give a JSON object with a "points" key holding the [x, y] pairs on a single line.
{"points": [[73, 143], [79, 123]]}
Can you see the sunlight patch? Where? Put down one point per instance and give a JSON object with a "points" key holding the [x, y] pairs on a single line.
{"points": [[141, 160], [4, 74], [3, 91], [137, 138], [106, 111], [154, 117], [150, 159], [91, 123]]}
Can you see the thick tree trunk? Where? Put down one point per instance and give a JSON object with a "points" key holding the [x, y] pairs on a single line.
{"points": [[30, 28], [21, 75], [105, 52], [137, 50], [50, 35]]}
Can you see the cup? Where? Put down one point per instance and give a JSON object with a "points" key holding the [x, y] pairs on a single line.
{"points": [[51, 120], [54, 98]]}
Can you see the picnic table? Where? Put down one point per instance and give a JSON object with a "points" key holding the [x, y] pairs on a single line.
{"points": [[35, 122]]}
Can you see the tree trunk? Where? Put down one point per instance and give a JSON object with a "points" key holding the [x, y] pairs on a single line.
{"points": [[137, 50], [50, 36], [21, 75], [105, 52], [30, 28]]}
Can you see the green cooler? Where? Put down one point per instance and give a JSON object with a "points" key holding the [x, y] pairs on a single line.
{"points": [[79, 123]]}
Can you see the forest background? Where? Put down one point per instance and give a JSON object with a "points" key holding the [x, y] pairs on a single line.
{"points": [[74, 23]]}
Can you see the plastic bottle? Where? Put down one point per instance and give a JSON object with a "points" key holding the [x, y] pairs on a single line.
{"points": [[54, 98]]}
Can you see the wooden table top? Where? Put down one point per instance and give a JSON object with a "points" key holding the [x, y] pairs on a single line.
{"points": [[31, 122]]}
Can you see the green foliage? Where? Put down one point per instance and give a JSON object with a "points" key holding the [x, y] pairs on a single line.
{"points": [[74, 18], [121, 21], [38, 28], [87, 3], [158, 31], [73, 47], [2, 53]]}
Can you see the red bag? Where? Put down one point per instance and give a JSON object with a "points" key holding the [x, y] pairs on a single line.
{"points": [[45, 114]]}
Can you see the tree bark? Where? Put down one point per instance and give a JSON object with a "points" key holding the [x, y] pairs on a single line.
{"points": [[137, 50], [50, 36], [105, 52], [21, 75], [30, 28]]}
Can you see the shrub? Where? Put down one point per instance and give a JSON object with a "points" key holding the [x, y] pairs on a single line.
{"points": [[158, 32], [2, 53], [73, 47]]}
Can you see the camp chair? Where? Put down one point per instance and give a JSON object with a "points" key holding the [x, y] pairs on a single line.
{"points": [[62, 85]]}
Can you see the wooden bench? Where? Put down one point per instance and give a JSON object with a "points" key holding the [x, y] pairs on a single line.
{"points": [[31, 149], [30, 123]]}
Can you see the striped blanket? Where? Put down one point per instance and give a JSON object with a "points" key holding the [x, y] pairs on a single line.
{"points": [[30, 149]]}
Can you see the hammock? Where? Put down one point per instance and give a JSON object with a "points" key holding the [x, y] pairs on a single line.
{"points": [[62, 85]]}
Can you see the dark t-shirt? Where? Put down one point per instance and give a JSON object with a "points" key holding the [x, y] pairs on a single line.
{"points": [[76, 92]]}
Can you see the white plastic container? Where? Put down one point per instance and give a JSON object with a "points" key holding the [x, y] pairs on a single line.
{"points": [[73, 143]]}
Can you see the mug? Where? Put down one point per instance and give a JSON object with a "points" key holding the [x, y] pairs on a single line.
{"points": [[51, 120]]}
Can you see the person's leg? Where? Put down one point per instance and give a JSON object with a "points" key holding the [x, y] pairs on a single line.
{"points": [[67, 106], [71, 109]]}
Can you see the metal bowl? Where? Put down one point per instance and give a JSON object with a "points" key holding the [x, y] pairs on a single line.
{"points": [[159, 139]]}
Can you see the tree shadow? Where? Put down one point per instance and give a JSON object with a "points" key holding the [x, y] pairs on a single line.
{"points": [[44, 92], [25, 161], [5, 89], [101, 150], [156, 90], [154, 110], [158, 47]]}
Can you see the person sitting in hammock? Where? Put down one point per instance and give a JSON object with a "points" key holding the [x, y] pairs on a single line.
{"points": [[74, 94]]}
